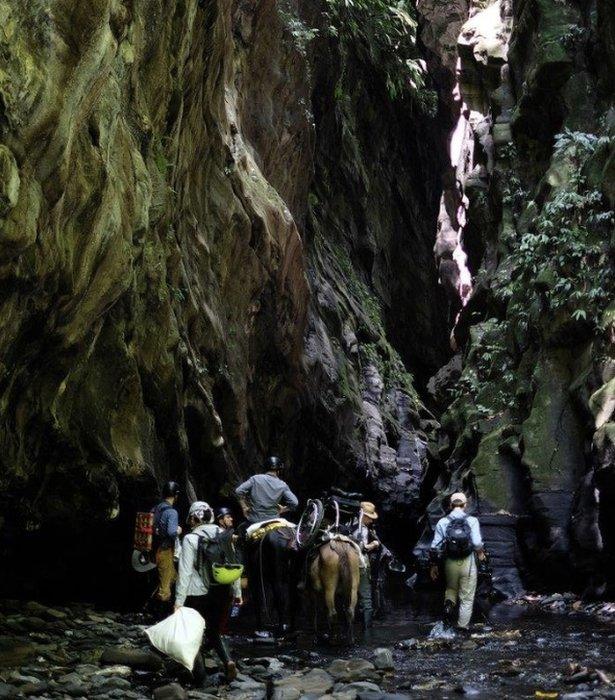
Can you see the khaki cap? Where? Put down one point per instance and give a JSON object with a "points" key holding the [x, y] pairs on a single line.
{"points": [[459, 497], [369, 509]]}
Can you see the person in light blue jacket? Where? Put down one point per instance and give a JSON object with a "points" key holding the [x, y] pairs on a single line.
{"points": [[457, 540]]}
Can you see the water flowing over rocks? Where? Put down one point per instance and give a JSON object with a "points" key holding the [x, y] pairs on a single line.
{"points": [[75, 651]]}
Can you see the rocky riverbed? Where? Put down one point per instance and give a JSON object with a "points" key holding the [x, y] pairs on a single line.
{"points": [[76, 651]]}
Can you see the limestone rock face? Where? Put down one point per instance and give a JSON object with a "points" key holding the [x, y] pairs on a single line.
{"points": [[527, 430], [225, 233], [147, 261], [211, 215]]}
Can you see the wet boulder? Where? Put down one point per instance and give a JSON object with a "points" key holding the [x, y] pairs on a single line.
{"points": [[316, 682], [137, 659], [172, 691], [349, 670], [383, 659]]}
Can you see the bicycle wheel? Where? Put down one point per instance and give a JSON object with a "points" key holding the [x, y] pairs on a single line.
{"points": [[309, 524]]}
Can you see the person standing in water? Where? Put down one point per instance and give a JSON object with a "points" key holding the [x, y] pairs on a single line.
{"points": [[198, 588], [166, 532], [368, 543], [458, 542]]}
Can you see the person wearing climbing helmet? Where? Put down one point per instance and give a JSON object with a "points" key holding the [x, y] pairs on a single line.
{"points": [[266, 496], [166, 532], [199, 587], [224, 518], [458, 542]]}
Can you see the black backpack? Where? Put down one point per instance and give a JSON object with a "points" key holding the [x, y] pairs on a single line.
{"points": [[458, 538], [216, 550]]}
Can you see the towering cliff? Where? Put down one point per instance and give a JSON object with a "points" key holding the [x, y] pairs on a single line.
{"points": [[528, 401], [236, 227], [217, 227]]}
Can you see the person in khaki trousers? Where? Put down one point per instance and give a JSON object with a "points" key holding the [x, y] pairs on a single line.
{"points": [[458, 541]]}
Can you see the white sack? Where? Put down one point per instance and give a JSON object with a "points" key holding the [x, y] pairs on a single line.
{"points": [[179, 636]]}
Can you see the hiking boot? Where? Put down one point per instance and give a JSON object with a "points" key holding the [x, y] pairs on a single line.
{"points": [[230, 671], [449, 612]]}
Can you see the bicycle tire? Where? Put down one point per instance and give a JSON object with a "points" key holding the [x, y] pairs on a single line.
{"points": [[309, 523]]}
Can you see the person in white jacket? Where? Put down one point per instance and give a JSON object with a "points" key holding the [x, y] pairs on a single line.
{"points": [[197, 590]]}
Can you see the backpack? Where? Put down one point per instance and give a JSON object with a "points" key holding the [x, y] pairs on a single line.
{"points": [[144, 532], [458, 538], [214, 552]]}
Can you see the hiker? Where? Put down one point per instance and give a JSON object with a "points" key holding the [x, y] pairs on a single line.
{"points": [[166, 532], [368, 542], [458, 542], [224, 518], [265, 496], [207, 586]]}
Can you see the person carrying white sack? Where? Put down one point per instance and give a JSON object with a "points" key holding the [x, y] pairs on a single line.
{"points": [[199, 587]]}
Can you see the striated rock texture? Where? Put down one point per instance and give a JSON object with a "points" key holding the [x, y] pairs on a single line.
{"points": [[236, 227], [216, 232], [529, 431]]}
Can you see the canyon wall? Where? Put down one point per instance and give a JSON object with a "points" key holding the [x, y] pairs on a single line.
{"points": [[528, 399], [376, 241], [217, 229]]}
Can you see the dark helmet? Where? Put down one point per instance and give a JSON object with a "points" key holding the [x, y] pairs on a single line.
{"points": [[273, 464], [171, 488], [221, 513]]}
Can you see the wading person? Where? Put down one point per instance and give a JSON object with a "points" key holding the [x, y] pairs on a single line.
{"points": [[366, 537], [223, 517], [458, 542], [166, 531], [207, 585], [266, 496]]}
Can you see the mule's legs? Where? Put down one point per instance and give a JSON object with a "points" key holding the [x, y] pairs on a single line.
{"points": [[280, 599], [316, 588], [352, 604], [330, 589]]}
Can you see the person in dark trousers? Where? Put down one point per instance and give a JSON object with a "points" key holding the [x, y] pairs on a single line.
{"points": [[266, 496], [166, 531], [457, 540], [223, 517], [368, 543], [196, 589]]}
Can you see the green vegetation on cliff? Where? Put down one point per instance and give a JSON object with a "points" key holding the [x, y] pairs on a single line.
{"points": [[387, 32]]}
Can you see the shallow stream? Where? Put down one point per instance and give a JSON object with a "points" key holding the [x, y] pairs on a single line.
{"points": [[519, 652]]}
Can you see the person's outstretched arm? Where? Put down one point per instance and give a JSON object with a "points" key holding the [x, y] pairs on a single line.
{"points": [[477, 540], [436, 550]]}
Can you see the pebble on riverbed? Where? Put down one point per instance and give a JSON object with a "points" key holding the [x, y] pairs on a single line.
{"points": [[568, 603], [76, 652]]}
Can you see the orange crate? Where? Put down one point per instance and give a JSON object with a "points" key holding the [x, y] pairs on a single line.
{"points": [[144, 532]]}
